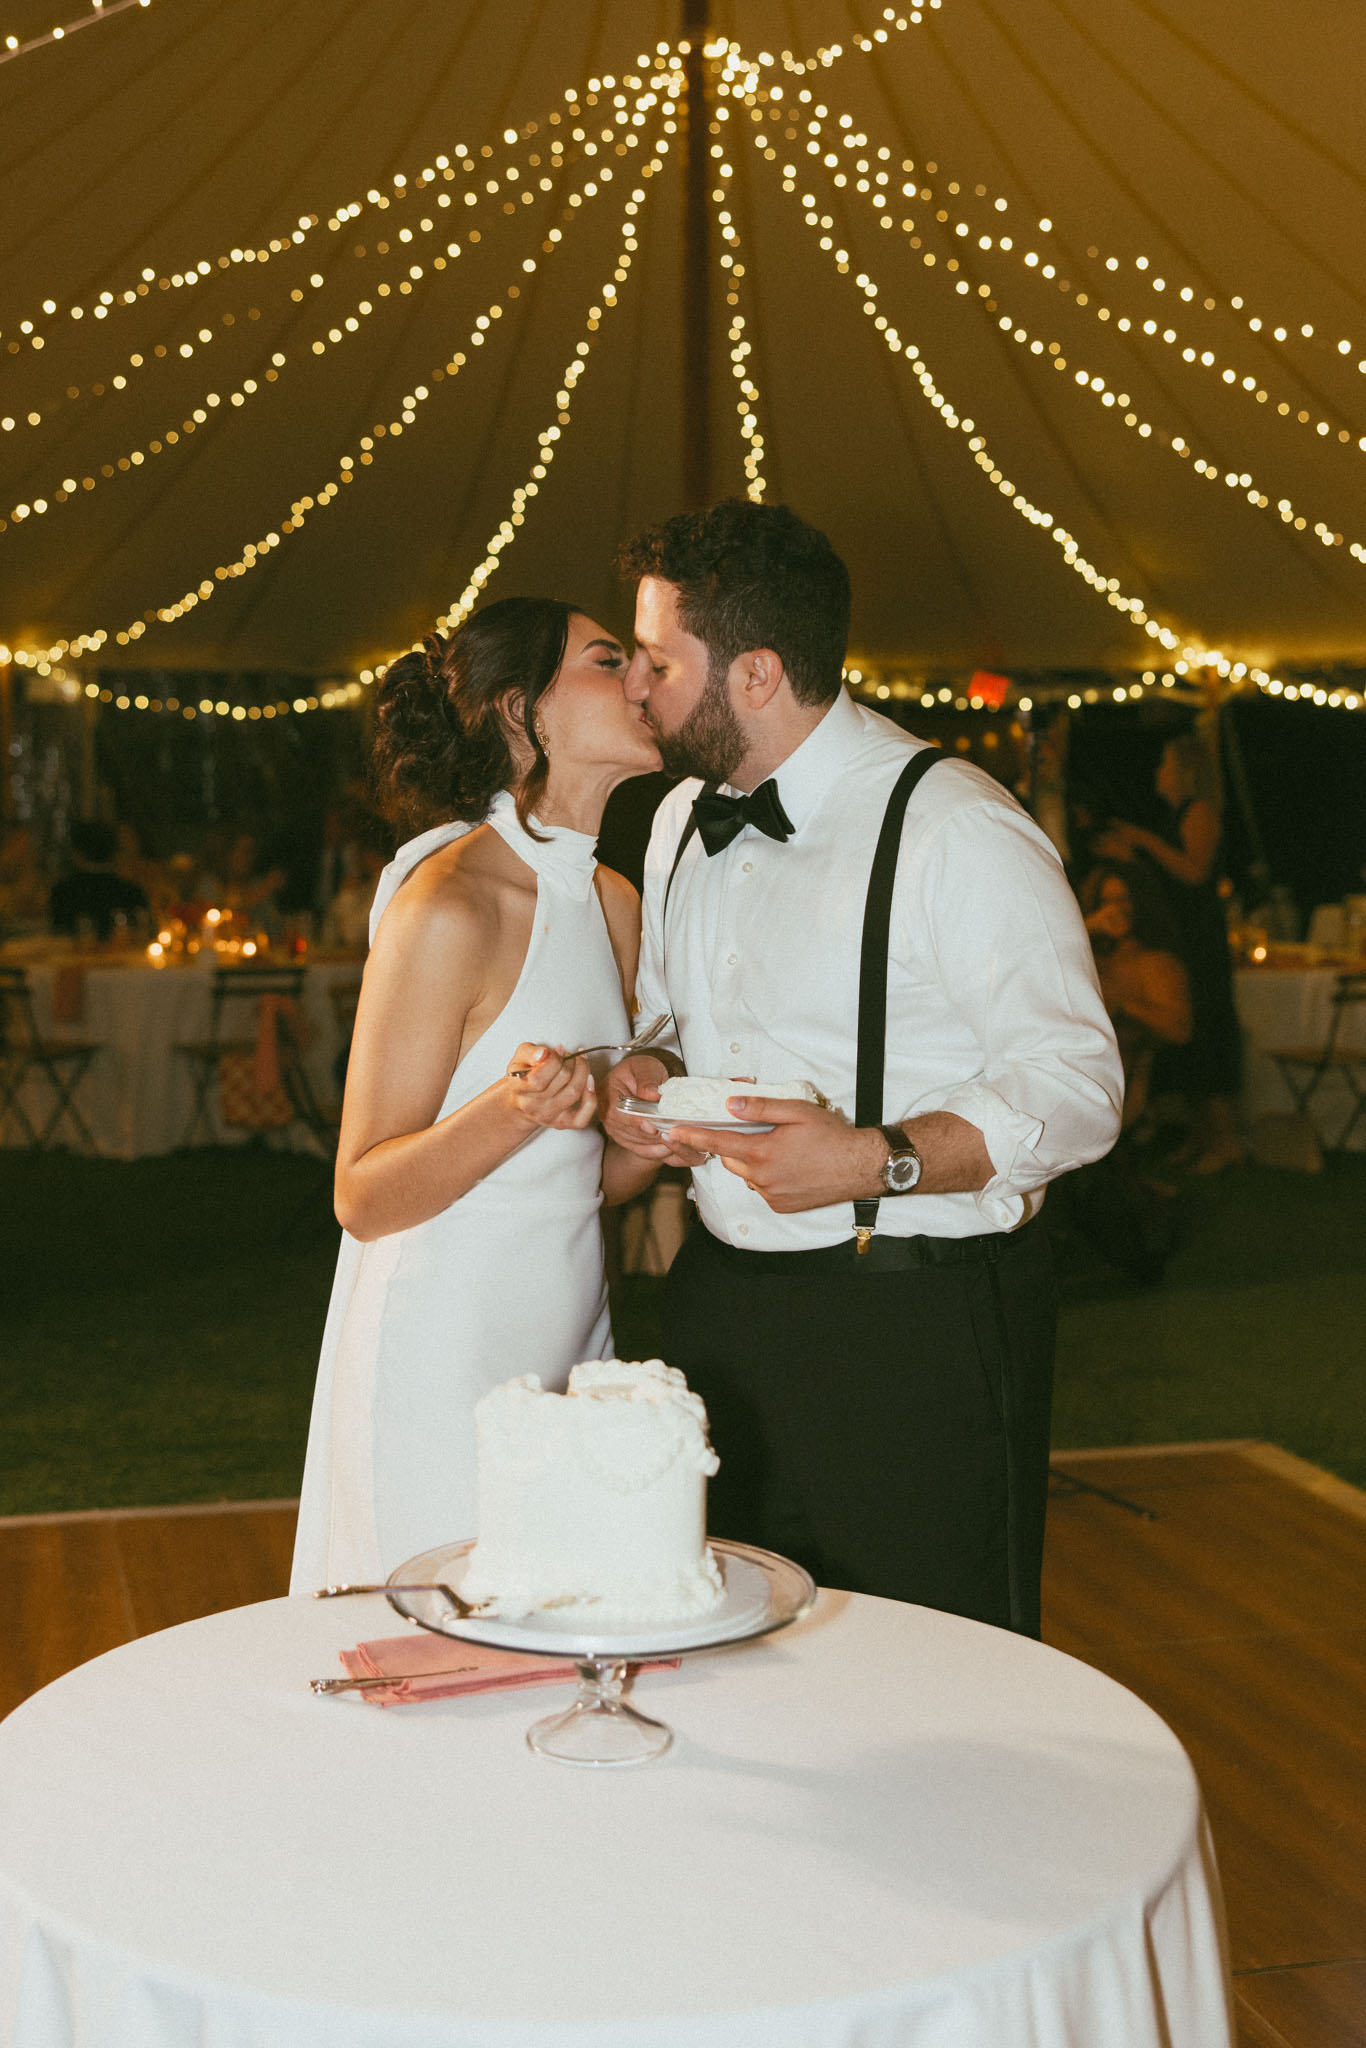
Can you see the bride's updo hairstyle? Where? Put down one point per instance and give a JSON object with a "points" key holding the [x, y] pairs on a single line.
{"points": [[440, 750]]}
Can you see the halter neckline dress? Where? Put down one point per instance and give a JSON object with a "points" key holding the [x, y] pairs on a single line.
{"points": [[508, 1280]]}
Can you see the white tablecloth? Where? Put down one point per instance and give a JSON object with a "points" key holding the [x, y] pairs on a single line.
{"points": [[1288, 1007], [887, 1828], [138, 1094]]}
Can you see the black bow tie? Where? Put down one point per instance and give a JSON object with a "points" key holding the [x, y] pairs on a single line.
{"points": [[721, 818]]}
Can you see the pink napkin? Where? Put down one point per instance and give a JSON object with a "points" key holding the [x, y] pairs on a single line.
{"points": [[430, 1667]]}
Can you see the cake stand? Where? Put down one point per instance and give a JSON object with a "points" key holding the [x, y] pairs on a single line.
{"points": [[763, 1592]]}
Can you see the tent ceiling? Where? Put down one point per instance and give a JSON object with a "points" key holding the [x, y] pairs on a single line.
{"points": [[1220, 139]]}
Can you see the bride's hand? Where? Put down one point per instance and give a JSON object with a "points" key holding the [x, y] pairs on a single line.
{"points": [[556, 1093]]}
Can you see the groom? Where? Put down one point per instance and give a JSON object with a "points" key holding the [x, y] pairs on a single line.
{"points": [[868, 1307]]}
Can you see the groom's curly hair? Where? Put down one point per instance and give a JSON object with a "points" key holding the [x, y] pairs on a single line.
{"points": [[754, 576], [440, 750]]}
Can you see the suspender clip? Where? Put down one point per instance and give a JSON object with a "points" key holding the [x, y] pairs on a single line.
{"points": [[864, 1236]]}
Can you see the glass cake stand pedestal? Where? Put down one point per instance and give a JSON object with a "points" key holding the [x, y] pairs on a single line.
{"points": [[763, 1592]]}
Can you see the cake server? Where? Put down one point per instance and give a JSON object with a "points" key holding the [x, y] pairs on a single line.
{"points": [[462, 1607], [643, 1038], [330, 1685]]}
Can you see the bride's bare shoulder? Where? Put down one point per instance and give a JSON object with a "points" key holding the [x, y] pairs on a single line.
{"points": [[452, 897]]}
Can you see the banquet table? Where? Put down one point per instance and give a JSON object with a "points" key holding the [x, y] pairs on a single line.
{"points": [[885, 1826], [1288, 1001], [137, 1096]]}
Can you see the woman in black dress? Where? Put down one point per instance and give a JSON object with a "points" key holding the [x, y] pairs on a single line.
{"points": [[1207, 1070]]}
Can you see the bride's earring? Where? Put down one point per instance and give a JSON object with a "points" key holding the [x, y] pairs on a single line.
{"points": [[542, 740]]}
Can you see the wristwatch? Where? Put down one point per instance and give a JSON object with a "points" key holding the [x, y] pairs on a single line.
{"points": [[903, 1168]]}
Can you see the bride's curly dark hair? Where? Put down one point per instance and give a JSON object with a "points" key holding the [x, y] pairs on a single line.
{"points": [[440, 750]]}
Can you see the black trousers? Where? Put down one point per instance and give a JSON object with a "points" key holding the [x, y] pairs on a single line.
{"points": [[888, 1429]]}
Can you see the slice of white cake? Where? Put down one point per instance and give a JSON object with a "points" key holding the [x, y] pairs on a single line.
{"points": [[703, 1097], [595, 1496]]}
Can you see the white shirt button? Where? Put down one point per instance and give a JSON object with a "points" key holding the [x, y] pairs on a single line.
{"points": [[742, 1230], [747, 868], [735, 1045], [731, 959]]}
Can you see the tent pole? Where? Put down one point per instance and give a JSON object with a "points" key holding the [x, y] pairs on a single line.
{"points": [[697, 268], [6, 738]]}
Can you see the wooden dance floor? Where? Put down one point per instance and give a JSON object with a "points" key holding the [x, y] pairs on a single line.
{"points": [[1232, 1603]]}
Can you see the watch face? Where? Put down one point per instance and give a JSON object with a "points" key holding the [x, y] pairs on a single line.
{"points": [[902, 1171]]}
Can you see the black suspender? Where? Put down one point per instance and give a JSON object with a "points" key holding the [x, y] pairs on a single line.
{"points": [[872, 986], [872, 981]]}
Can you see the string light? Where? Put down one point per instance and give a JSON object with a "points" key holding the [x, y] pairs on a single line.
{"points": [[512, 175], [104, 10], [548, 439], [894, 21], [1091, 382], [492, 183], [348, 468], [741, 349], [1191, 654], [340, 330], [880, 185], [1186, 351]]}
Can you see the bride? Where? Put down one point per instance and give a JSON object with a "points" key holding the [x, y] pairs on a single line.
{"points": [[470, 1167]]}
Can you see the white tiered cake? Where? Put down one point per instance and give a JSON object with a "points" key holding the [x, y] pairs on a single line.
{"points": [[595, 1496], [703, 1096]]}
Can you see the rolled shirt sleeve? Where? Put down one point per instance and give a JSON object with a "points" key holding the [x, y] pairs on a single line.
{"points": [[1013, 959]]}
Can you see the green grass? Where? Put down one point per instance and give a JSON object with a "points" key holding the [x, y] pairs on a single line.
{"points": [[160, 1323]]}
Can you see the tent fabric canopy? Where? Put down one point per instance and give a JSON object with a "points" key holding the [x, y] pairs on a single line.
{"points": [[1198, 167]]}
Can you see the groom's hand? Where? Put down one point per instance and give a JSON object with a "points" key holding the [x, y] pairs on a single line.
{"points": [[811, 1158], [640, 1075]]}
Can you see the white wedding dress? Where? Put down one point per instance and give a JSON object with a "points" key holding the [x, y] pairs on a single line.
{"points": [[508, 1280]]}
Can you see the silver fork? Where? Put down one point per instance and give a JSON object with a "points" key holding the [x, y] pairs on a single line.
{"points": [[652, 1031], [462, 1607]]}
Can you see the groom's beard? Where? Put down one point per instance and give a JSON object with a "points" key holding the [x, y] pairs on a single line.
{"points": [[710, 741]]}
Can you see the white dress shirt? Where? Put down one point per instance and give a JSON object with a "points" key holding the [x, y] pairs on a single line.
{"points": [[993, 1008]]}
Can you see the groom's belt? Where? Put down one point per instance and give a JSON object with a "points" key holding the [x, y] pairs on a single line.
{"points": [[883, 1255]]}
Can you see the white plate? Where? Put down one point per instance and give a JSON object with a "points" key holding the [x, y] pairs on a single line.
{"points": [[762, 1592], [648, 1112]]}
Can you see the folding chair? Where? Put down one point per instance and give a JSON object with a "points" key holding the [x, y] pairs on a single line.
{"points": [[321, 1119], [1304, 1067], [62, 1062], [233, 1016]]}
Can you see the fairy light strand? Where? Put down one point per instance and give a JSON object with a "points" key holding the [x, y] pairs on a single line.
{"points": [[1193, 656], [886, 182], [348, 467], [741, 348], [104, 11], [347, 470], [341, 328], [741, 79], [499, 179], [473, 162], [548, 439], [1092, 383]]}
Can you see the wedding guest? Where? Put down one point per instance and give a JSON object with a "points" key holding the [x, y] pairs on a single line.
{"points": [[94, 893], [868, 1307], [1116, 1202], [1144, 985], [1208, 1069]]}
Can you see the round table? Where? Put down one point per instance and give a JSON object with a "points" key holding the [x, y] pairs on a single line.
{"points": [[885, 1826], [1288, 1007], [137, 1096]]}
